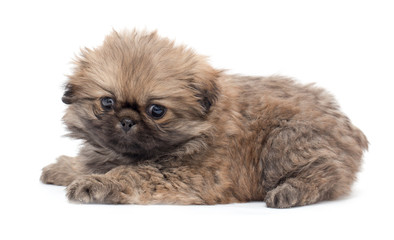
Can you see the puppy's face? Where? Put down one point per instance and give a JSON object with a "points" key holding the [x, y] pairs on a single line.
{"points": [[139, 95]]}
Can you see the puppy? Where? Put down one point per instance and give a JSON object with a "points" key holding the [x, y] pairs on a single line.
{"points": [[161, 126]]}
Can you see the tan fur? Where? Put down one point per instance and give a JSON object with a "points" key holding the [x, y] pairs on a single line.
{"points": [[223, 139]]}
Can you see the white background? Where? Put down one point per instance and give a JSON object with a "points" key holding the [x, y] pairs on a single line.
{"points": [[346, 47]]}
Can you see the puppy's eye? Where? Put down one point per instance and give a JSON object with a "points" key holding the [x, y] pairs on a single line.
{"points": [[156, 111], [107, 103]]}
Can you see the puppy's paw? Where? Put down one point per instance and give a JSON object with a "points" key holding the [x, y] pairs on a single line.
{"points": [[51, 174], [48, 174], [283, 196], [95, 189], [59, 173]]}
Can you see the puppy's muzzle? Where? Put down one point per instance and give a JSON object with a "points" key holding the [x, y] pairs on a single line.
{"points": [[126, 123]]}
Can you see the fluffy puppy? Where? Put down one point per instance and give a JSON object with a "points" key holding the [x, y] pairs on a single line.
{"points": [[160, 125]]}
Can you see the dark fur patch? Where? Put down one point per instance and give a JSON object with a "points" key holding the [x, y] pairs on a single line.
{"points": [[68, 96], [207, 97], [133, 105]]}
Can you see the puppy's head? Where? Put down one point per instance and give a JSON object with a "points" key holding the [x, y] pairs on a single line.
{"points": [[140, 95]]}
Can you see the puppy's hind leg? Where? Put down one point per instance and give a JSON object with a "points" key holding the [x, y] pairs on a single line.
{"points": [[61, 173], [302, 167], [299, 191]]}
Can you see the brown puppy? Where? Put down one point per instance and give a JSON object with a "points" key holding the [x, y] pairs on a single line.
{"points": [[160, 125]]}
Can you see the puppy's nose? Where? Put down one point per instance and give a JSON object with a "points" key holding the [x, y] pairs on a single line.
{"points": [[126, 124]]}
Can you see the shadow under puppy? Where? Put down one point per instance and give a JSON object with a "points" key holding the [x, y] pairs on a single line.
{"points": [[160, 125]]}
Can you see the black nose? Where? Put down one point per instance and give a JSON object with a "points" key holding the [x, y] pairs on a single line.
{"points": [[126, 124]]}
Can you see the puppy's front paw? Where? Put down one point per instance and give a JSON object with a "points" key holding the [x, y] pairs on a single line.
{"points": [[95, 189], [59, 173], [49, 174], [283, 196], [55, 174]]}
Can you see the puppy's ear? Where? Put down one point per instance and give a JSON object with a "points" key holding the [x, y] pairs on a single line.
{"points": [[208, 97], [69, 94], [206, 89], [210, 91]]}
